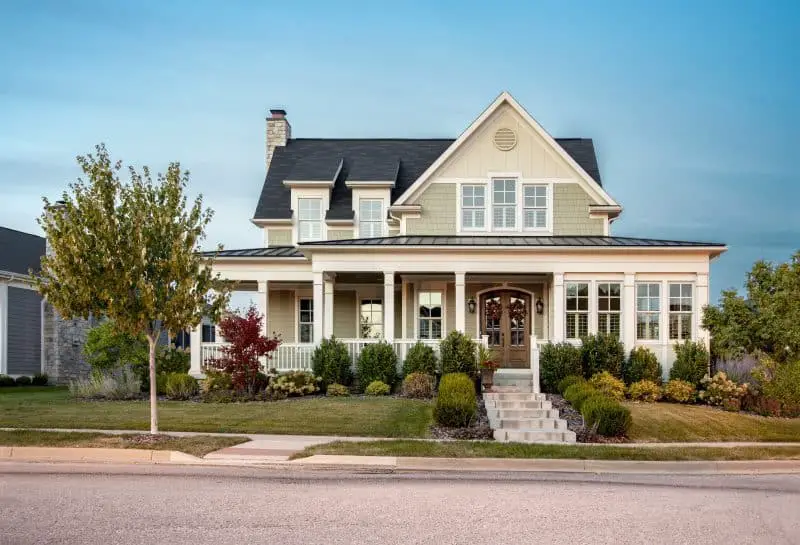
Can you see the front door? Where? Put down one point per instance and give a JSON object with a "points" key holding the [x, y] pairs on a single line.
{"points": [[505, 319]]}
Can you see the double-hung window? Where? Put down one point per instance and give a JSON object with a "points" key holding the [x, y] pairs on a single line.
{"points": [[648, 311], [577, 310], [534, 200], [209, 333], [309, 218], [370, 218], [504, 204], [609, 298], [473, 207], [371, 319], [430, 315], [680, 311], [305, 320]]}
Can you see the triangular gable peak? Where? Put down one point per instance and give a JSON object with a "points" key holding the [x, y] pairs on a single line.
{"points": [[536, 151]]}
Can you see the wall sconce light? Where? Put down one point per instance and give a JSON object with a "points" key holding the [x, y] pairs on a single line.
{"points": [[539, 306], [471, 305]]}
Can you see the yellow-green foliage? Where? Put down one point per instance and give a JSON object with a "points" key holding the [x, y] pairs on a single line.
{"points": [[455, 404], [680, 391], [609, 385], [377, 388], [645, 390], [294, 383], [338, 390]]}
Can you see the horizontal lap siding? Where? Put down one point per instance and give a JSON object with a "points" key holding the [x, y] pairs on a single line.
{"points": [[24, 332], [281, 318], [345, 317]]}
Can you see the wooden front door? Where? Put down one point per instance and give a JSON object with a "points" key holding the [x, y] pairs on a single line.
{"points": [[505, 319]]}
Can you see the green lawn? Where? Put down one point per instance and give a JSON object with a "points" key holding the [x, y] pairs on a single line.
{"points": [[198, 445], [372, 417], [671, 422], [490, 449]]}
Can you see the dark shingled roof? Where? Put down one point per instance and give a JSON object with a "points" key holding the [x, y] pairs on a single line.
{"points": [[20, 251], [494, 241], [371, 159]]}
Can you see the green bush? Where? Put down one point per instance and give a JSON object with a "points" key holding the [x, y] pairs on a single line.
{"points": [[577, 394], [107, 350], [608, 385], [420, 359], [602, 353], [294, 383], [161, 385], [169, 359], [331, 362], [377, 361], [23, 381], [458, 354], [378, 388], [338, 390], [418, 386], [569, 381], [642, 364], [40, 379], [609, 417], [216, 381], [6, 381], [680, 391], [691, 362], [784, 384], [556, 362], [645, 390], [102, 386], [180, 386], [455, 404]]}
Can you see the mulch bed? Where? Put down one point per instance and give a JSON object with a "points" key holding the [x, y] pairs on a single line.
{"points": [[575, 422]]}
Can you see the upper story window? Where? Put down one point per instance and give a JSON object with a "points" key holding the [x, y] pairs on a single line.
{"points": [[473, 207], [309, 219], [535, 206], [504, 204], [370, 218]]}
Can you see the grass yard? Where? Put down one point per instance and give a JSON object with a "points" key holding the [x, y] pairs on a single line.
{"points": [[199, 445], [372, 417], [671, 422], [490, 449]]}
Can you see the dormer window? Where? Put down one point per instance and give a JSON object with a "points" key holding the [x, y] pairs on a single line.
{"points": [[370, 218], [309, 219]]}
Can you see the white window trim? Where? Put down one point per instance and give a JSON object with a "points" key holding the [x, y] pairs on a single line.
{"points": [[357, 226], [621, 311], [360, 297], [590, 324], [309, 193], [420, 288], [461, 208], [659, 313], [548, 227], [489, 203], [296, 317], [690, 313], [516, 206]]}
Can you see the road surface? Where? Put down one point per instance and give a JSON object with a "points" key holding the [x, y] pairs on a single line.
{"points": [[43, 503]]}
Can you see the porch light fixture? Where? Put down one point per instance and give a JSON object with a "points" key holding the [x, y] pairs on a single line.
{"points": [[471, 305], [539, 306]]}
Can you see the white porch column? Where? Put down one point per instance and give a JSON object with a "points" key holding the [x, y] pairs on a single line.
{"points": [[404, 307], [700, 301], [4, 328], [195, 350], [263, 304], [319, 307], [388, 306], [460, 302], [629, 312], [558, 307], [329, 287]]}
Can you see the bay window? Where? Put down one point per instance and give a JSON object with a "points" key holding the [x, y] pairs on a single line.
{"points": [[309, 219]]}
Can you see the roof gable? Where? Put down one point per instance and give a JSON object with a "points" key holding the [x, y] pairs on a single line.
{"points": [[20, 251]]}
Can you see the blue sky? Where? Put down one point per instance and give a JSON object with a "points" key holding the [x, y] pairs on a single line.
{"points": [[693, 106]]}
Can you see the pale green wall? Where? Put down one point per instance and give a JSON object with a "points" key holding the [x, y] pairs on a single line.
{"points": [[438, 215], [340, 234], [280, 237], [571, 212]]}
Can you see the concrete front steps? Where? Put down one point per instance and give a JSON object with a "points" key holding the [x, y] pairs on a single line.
{"points": [[525, 418]]}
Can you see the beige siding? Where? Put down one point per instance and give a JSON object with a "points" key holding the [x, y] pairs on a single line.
{"points": [[398, 314], [344, 314], [340, 234], [411, 311], [449, 309], [279, 237], [571, 212], [438, 215], [281, 317]]}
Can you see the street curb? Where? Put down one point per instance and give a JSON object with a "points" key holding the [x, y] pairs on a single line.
{"points": [[99, 455]]}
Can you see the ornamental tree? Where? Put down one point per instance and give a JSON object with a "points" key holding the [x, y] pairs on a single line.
{"points": [[130, 251], [246, 344]]}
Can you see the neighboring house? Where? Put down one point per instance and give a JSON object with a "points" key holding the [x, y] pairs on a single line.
{"points": [[503, 233]]}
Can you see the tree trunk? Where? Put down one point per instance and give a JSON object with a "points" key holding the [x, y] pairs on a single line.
{"points": [[153, 388]]}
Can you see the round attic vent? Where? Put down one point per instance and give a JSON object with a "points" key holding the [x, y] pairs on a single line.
{"points": [[505, 139]]}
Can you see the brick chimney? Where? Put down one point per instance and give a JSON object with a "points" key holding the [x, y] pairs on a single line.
{"points": [[278, 132]]}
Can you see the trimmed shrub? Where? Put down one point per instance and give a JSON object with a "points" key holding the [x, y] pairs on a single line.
{"points": [[455, 404], [602, 353], [556, 362], [378, 388], [691, 362], [418, 386], [720, 390], [331, 362], [23, 381], [337, 390], [100, 386], [217, 381], [608, 385], [6, 381], [377, 361], [608, 417], [645, 390], [458, 354], [569, 381], [784, 385], [420, 359], [577, 394], [294, 383], [642, 364], [680, 391], [181, 386], [40, 379]]}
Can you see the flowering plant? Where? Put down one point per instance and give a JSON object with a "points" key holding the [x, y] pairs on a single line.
{"points": [[490, 364], [719, 389]]}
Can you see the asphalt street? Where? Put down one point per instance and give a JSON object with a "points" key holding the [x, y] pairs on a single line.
{"points": [[82, 504]]}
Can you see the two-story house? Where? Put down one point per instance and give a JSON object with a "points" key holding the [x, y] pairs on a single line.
{"points": [[503, 233]]}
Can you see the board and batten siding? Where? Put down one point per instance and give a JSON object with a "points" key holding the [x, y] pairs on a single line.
{"points": [[24, 332]]}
